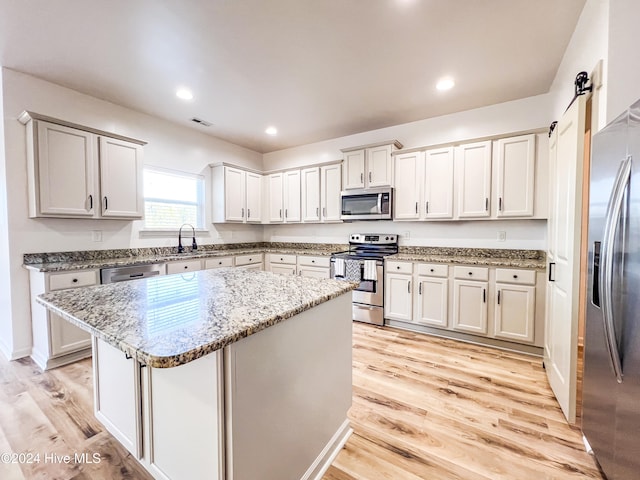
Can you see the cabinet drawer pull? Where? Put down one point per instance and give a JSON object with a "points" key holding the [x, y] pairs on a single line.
{"points": [[186, 267], [398, 267], [220, 263], [313, 261], [470, 273], [431, 269], [515, 276], [75, 280]]}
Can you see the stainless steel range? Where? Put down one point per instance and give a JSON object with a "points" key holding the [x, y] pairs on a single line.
{"points": [[364, 263]]}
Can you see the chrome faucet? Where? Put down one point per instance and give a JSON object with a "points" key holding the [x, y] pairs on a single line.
{"points": [[194, 245]]}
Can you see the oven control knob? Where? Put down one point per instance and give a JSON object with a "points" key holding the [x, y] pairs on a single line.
{"points": [[386, 238]]}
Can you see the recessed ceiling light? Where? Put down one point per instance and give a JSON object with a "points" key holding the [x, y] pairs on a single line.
{"points": [[445, 84], [271, 131], [184, 94]]}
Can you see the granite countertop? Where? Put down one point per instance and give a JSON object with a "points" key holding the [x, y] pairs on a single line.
{"points": [[84, 260], [171, 320], [469, 260]]}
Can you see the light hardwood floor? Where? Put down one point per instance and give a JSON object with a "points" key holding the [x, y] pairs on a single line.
{"points": [[423, 408]]}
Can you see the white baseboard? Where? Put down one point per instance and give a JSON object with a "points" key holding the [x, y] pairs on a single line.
{"points": [[318, 468]]}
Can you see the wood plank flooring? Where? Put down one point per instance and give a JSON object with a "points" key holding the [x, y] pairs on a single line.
{"points": [[423, 408], [431, 408]]}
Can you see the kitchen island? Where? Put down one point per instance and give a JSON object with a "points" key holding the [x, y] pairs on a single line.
{"points": [[220, 374]]}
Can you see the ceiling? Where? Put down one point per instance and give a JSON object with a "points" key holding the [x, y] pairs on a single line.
{"points": [[314, 69]]}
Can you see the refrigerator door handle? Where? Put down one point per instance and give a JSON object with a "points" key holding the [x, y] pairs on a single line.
{"points": [[611, 224]]}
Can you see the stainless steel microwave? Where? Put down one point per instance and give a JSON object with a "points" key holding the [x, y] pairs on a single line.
{"points": [[367, 204]]}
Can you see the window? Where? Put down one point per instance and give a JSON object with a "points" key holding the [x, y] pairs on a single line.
{"points": [[172, 198]]}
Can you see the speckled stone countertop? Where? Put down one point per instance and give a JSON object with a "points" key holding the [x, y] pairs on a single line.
{"points": [[171, 320], [530, 259], [82, 260]]}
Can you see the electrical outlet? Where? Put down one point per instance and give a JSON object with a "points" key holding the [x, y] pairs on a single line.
{"points": [[96, 235], [502, 236], [407, 235]]}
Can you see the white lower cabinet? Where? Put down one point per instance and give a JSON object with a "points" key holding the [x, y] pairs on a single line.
{"points": [[318, 267], [119, 410], [184, 266], [159, 414], [218, 262], [253, 261], [431, 299], [398, 304], [515, 305], [55, 341], [470, 290], [463, 298], [284, 264]]}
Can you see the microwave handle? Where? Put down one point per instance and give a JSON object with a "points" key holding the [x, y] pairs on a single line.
{"points": [[380, 203]]}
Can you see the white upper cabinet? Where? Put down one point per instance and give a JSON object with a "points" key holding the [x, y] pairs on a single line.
{"points": [[64, 174], [515, 180], [292, 196], [330, 186], [236, 195], [254, 197], [310, 178], [438, 183], [473, 163], [121, 178], [70, 176], [407, 191], [379, 171], [370, 166], [354, 166], [276, 198]]}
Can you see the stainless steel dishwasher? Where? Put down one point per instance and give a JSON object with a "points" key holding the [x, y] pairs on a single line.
{"points": [[131, 272]]}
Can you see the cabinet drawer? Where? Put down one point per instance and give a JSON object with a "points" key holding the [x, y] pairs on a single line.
{"points": [[314, 261], [399, 267], [218, 262], [517, 276], [83, 278], [282, 258], [248, 259], [432, 269], [186, 266], [471, 273]]}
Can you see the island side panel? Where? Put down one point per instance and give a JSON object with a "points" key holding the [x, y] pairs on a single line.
{"points": [[183, 410], [288, 390]]}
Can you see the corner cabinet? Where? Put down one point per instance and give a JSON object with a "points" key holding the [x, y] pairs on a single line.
{"points": [[80, 172], [57, 342], [236, 195]]}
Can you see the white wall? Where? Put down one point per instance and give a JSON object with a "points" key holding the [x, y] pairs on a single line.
{"points": [[525, 234], [170, 145], [588, 45], [624, 60], [6, 340]]}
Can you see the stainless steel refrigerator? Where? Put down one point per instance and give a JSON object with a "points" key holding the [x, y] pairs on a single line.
{"points": [[611, 389]]}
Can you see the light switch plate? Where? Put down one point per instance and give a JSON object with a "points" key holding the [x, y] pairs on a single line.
{"points": [[502, 236], [96, 235]]}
